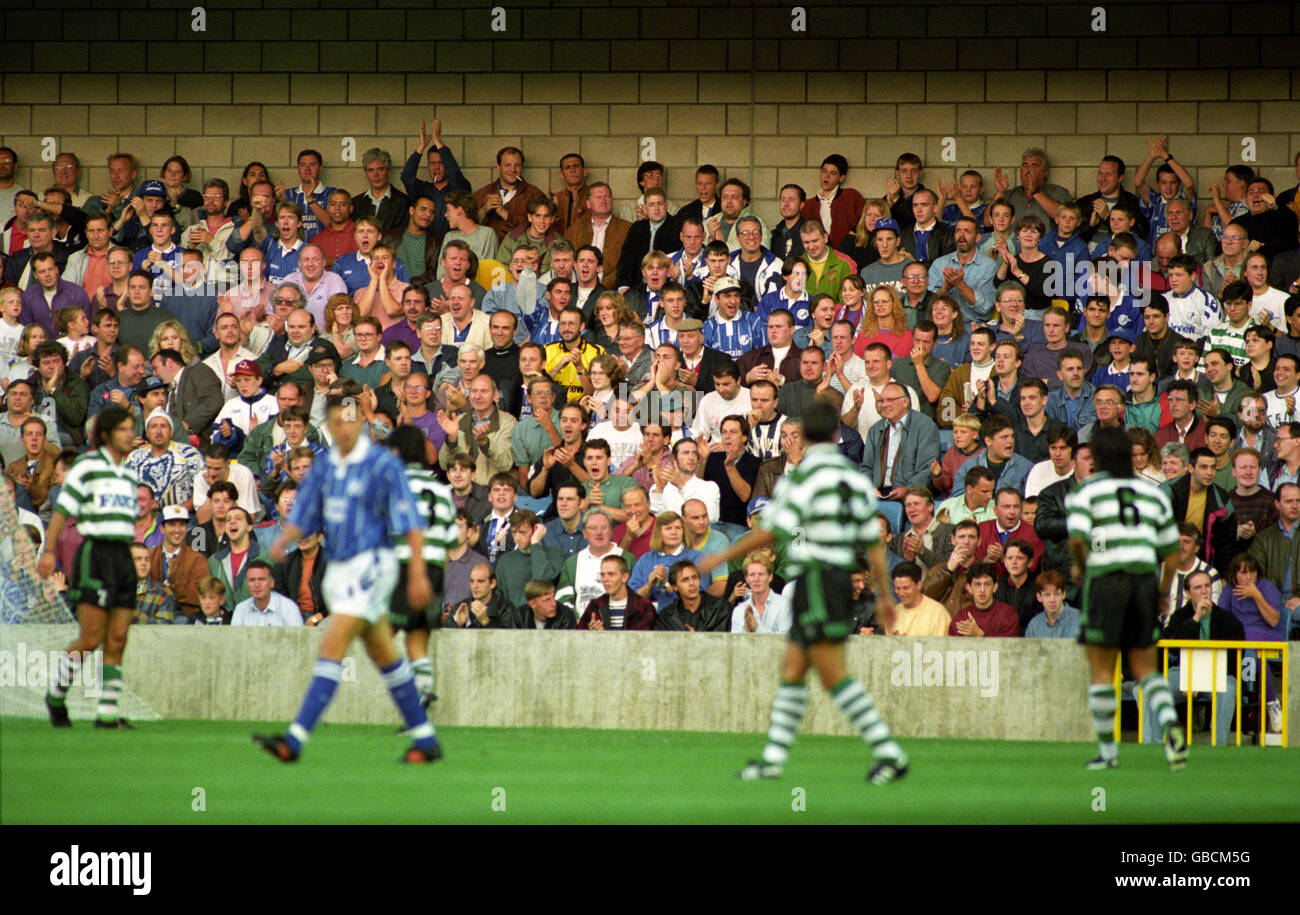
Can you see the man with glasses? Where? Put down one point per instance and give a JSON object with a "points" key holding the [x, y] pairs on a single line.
{"points": [[753, 263], [210, 233], [1230, 266], [366, 367]]}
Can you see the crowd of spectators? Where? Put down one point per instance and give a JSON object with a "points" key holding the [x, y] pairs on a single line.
{"points": [[613, 391]]}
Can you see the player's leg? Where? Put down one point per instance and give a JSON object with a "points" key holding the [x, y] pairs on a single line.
{"points": [[417, 649], [400, 681], [93, 623], [1156, 694], [852, 698], [119, 623], [340, 630], [788, 709], [1102, 703]]}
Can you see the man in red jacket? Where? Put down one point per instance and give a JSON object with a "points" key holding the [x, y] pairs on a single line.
{"points": [[836, 207], [984, 616], [619, 607], [1005, 527]]}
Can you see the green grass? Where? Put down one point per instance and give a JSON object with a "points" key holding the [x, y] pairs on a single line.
{"points": [[350, 774]]}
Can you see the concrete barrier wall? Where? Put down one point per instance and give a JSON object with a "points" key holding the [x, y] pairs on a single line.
{"points": [[1012, 689]]}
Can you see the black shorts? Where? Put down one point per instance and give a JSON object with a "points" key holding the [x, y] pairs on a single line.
{"points": [[823, 606], [103, 575], [400, 613], [1120, 610]]}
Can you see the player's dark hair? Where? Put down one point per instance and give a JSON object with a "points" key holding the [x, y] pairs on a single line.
{"points": [[977, 475], [1112, 451], [1024, 546], [407, 442], [108, 420], [261, 564], [1198, 453], [982, 570], [820, 423], [219, 452]]}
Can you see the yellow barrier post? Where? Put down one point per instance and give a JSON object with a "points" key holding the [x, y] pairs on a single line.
{"points": [[1264, 651]]}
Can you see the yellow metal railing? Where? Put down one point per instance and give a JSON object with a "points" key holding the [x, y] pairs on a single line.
{"points": [[1264, 651]]}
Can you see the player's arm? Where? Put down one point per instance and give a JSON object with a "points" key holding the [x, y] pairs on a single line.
{"points": [[755, 539], [45, 565], [292, 533], [419, 591], [1166, 579], [1078, 556], [880, 575]]}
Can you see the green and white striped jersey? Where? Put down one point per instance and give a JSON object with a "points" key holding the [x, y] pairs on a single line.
{"points": [[100, 496], [823, 511], [1127, 523], [438, 511]]}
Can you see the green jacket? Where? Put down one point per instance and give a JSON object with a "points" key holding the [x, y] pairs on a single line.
{"points": [[71, 403], [515, 569], [1239, 389], [236, 587], [833, 275], [258, 444], [1277, 552]]}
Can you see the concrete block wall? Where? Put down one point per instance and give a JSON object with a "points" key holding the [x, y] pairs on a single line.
{"points": [[730, 84], [1027, 689]]}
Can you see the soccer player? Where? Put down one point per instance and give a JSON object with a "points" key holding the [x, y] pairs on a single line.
{"points": [[359, 496], [438, 512], [1121, 528], [823, 511], [99, 494]]}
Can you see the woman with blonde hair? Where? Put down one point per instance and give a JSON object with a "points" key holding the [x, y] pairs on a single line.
{"points": [[340, 318], [172, 334], [884, 321], [611, 311], [667, 547], [860, 244], [19, 364]]}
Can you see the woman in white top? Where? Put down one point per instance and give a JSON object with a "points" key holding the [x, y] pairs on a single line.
{"points": [[762, 610]]}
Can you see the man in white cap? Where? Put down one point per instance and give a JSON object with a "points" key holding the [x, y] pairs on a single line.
{"points": [[170, 467], [177, 564]]}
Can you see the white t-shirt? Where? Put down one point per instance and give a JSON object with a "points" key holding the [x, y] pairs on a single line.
{"points": [[1042, 476], [712, 410], [623, 444], [1272, 301]]}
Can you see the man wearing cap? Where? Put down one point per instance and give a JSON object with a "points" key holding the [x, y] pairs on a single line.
{"points": [[1120, 346], [150, 395], [131, 229], [731, 330], [323, 363], [168, 466], [176, 564], [241, 414]]}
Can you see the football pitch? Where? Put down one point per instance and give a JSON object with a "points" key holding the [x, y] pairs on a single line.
{"points": [[203, 772]]}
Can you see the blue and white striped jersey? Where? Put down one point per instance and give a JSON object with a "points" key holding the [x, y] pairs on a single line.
{"points": [[744, 332], [360, 501]]}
